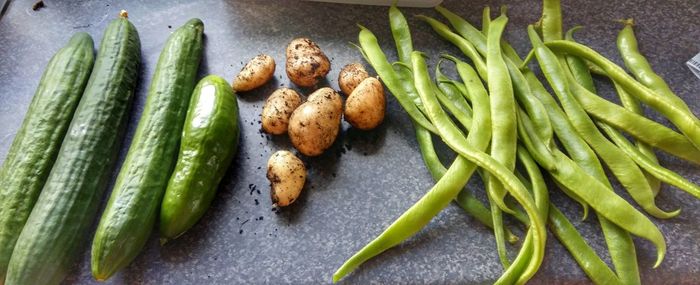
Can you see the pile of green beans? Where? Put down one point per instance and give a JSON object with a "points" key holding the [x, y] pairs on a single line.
{"points": [[500, 120]]}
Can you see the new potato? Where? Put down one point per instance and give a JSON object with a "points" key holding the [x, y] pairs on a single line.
{"points": [[277, 110], [350, 76], [314, 125], [365, 107], [287, 175], [306, 64], [255, 73]]}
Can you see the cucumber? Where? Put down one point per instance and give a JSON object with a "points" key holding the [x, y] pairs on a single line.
{"points": [[209, 142], [36, 144], [133, 205], [58, 225]]}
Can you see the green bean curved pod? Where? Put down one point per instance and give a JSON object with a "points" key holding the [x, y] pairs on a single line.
{"points": [[594, 267], [464, 46], [638, 126], [582, 75], [454, 102], [687, 123], [401, 34], [464, 29], [447, 87], [624, 168], [386, 72], [608, 204], [652, 167], [465, 148], [641, 69], [551, 20]]}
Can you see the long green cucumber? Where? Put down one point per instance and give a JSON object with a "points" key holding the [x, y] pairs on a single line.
{"points": [[209, 143], [57, 227], [36, 144], [133, 205]]}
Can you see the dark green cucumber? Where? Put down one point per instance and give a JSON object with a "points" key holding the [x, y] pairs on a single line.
{"points": [[57, 228], [133, 205], [209, 142], [36, 144]]}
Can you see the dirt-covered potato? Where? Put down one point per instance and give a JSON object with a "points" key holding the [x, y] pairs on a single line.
{"points": [[255, 73], [287, 175], [365, 107], [315, 124], [350, 76], [277, 110], [306, 64]]}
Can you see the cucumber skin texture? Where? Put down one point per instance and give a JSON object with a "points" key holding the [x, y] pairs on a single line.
{"points": [[38, 140], [132, 208], [209, 143], [57, 228]]}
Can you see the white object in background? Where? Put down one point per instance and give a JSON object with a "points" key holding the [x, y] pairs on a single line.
{"points": [[401, 3], [694, 65]]}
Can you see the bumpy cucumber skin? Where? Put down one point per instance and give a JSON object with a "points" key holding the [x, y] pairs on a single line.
{"points": [[133, 205], [36, 144], [56, 230], [209, 143]]}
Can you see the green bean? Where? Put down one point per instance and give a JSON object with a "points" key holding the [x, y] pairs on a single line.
{"points": [[582, 75], [641, 69], [619, 241], [624, 168], [465, 46], [465, 29], [651, 166], [630, 103], [504, 128], [404, 46], [401, 34], [485, 19], [391, 80], [464, 148], [454, 102], [541, 195], [687, 123], [638, 126], [585, 256], [551, 20]]}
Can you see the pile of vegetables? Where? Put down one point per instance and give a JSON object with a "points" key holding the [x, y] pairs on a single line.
{"points": [[312, 124], [506, 126], [62, 158]]}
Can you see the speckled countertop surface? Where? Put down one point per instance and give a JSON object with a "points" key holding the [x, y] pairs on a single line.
{"points": [[366, 179]]}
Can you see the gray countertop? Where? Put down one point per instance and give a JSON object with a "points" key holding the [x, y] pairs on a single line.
{"points": [[366, 179]]}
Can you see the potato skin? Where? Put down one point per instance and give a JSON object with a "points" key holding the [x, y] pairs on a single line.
{"points": [[277, 110], [287, 176], [366, 105], [255, 73], [306, 64], [350, 76], [314, 126]]}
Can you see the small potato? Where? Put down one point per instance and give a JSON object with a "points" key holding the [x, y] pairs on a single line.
{"points": [[287, 175], [314, 126], [350, 76], [306, 64], [365, 107], [255, 73], [277, 110]]}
